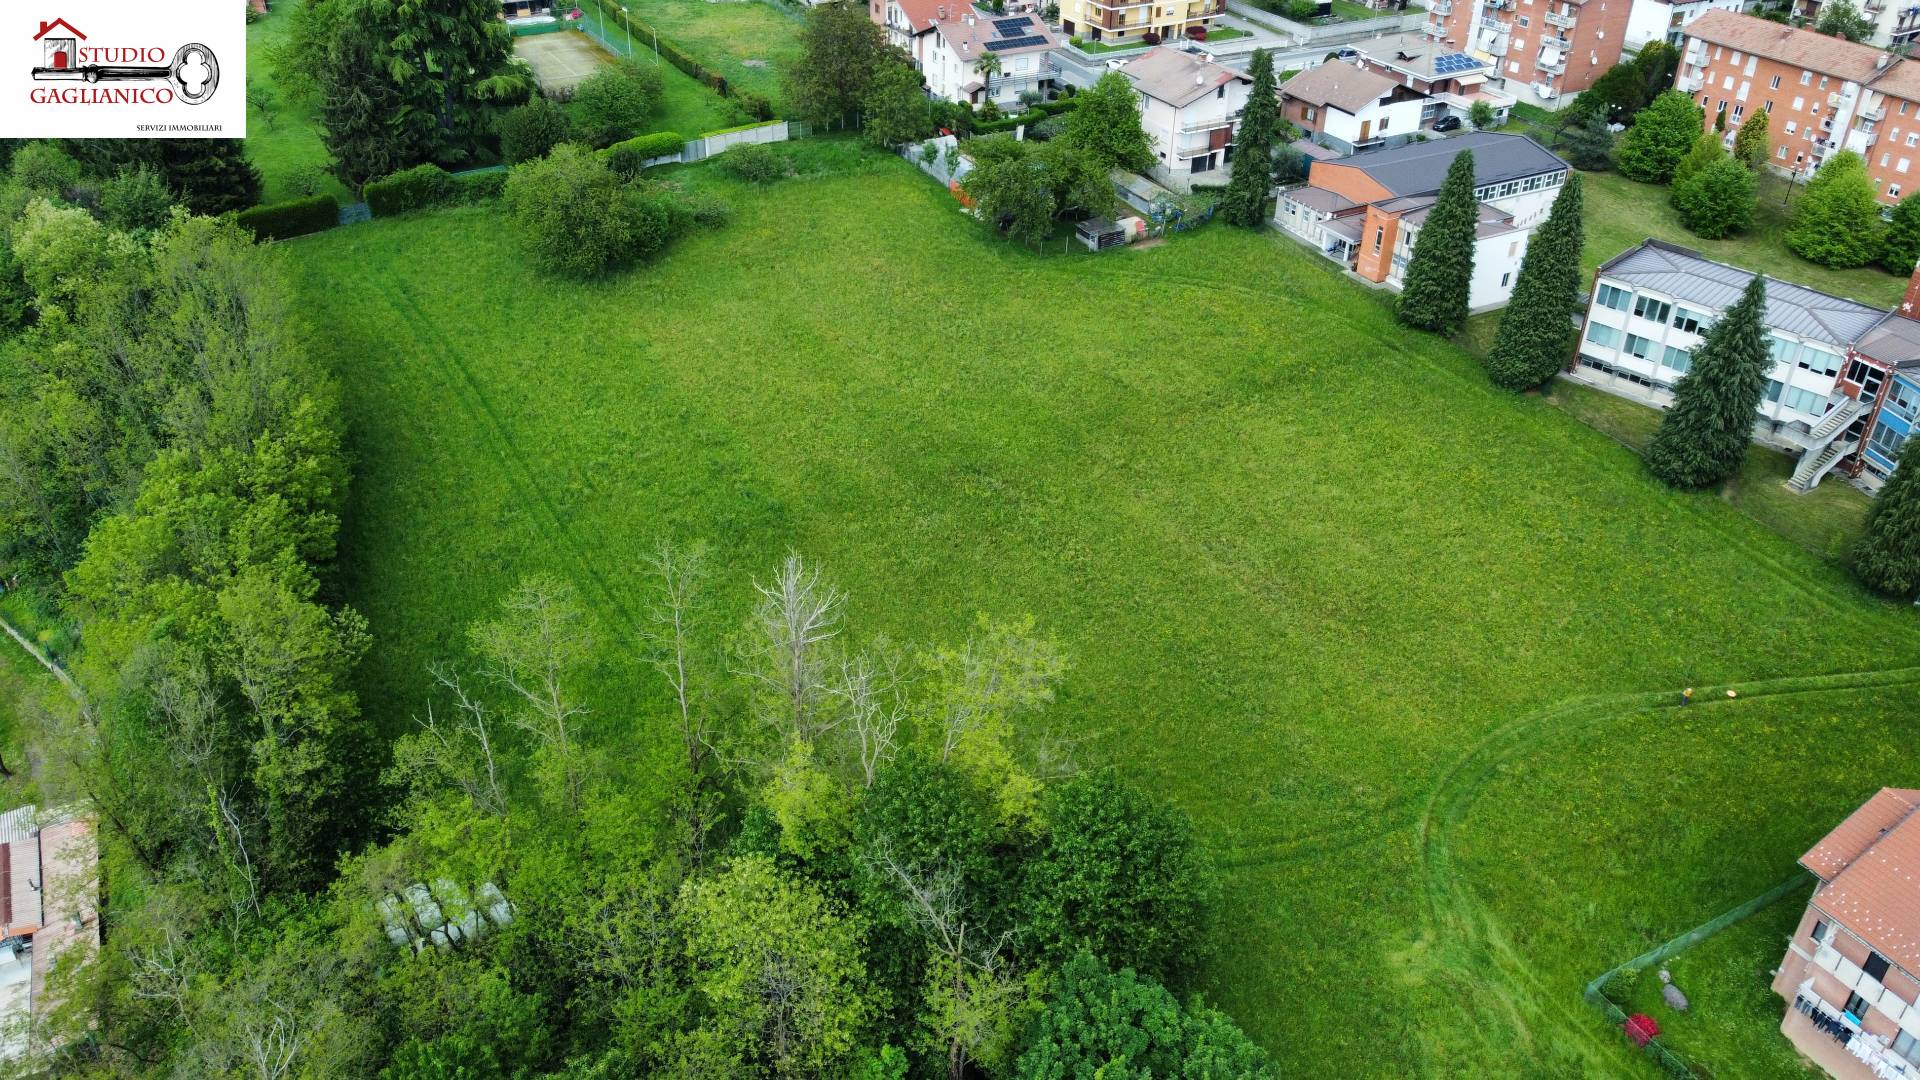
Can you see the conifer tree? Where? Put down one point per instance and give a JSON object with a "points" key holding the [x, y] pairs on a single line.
{"points": [[1703, 437], [1887, 557], [1440, 276], [1536, 333], [1837, 221], [1245, 202]]}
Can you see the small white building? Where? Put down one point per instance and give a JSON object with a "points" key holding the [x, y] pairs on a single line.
{"points": [[1188, 105], [1664, 20], [955, 71], [1346, 107]]}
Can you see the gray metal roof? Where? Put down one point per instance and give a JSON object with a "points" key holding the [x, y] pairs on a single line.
{"points": [[1692, 278], [1418, 168], [1895, 342]]}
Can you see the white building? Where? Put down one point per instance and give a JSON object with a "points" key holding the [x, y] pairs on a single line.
{"points": [[1665, 20], [910, 25], [1651, 306], [1345, 107], [1188, 106], [954, 69], [1366, 211]]}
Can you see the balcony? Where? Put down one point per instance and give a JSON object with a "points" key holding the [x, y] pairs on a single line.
{"points": [[1556, 66], [1442, 8], [1688, 84], [1869, 988], [1496, 47], [1560, 43], [1208, 125], [1564, 22], [1875, 114], [1494, 25]]}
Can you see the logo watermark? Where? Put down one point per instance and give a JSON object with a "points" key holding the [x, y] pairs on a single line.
{"points": [[95, 69]]}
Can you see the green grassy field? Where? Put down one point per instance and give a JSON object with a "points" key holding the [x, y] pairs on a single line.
{"points": [[746, 41], [1622, 212], [1399, 642], [285, 139]]}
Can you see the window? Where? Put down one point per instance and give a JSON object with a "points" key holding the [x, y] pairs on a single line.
{"points": [[1820, 930], [1379, 232], [1806, 401], [1823, 82], [1884, 158], [1221, 92], [1767, 107], [1648, 308], [1901, 165], [1737, 110], [1791, 128], [1774, 387], [1806, 77], [1611, 297], [1774, 84], [1638, 347], [1782, 155], [1904, 1045], [1603, 335], [1677, 359], [1856, 1007], [1913, 138], [1523, 22], [1893, 191], [1691, 321], [1504, 278], [1313, 113], [1799, 103], [1875, 966], [1886, 441]]}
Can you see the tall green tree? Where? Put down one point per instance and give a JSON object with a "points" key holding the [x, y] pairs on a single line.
{"points": [[1840, 18], [1718, 201], [1440, 277], [1900, 249], [841, 50], [1836, 222], [1706, 150], [360, 111], [1661, 135], [1656, 64], [1619, 93], [897, 110], [1100, 1023], [1887, 555], [1106, 125], [1536, 333], [209, 176], [1752, 144], [1588, 145], [1703, 437], [1245, 201]]}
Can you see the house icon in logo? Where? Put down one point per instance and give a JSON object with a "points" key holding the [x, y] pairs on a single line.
{"points": [[61, 51]]}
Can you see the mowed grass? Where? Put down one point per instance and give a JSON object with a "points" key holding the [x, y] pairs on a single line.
{"points": [[1622, 212], [284, 139], [748, 42], [1308, 567]]}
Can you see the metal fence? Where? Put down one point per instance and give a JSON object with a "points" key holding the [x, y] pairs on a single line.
{"points": [[1596, 994]]}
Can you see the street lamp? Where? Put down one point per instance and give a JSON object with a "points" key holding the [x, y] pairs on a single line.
{"points": [[626, 20]]}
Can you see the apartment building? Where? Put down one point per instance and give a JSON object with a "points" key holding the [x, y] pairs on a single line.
{"points": [[910, 24], [1825, 94], [1366, 211], [1121, 20], [1538, 50], [1667, 20], [1895, 24], [1450, 80], [1850, 971]]}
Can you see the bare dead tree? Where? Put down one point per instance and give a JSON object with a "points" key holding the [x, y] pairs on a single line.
{"points": [[793, 628], [869, 689], [271, 1045], [1002, 670], [461, 749], [533, 649], [680, 576]]}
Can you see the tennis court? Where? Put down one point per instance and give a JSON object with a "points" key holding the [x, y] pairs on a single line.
{"points": [[562, 59]]}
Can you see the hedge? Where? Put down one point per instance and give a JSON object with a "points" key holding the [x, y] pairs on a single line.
{"points": [[629, 157], [410, 189], [1035, 113], [479, 186], [313, 214]]}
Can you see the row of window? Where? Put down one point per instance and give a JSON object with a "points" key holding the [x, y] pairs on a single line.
{"points": [[1647, 307], [1516, 187], [1677, 359], [1623, 373], [1805, 356]]}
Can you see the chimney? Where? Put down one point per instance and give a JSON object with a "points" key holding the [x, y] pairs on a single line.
{"points": [[1880, 62], [1910, 303]]}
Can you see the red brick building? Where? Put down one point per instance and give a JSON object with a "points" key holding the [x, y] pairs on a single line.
{"points": [[1541, 50]]}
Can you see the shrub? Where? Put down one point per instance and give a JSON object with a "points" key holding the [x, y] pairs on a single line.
{"points": [[481, 186], [755, 163], [1836, 223], [307, 180], [297, 217], [757, 106], [44, 169], [1718, 200], [575, 217], [1661, 135], [532, 130], [629, 157], [612, 104], [705, 209], [136, 200], [409, 189]]}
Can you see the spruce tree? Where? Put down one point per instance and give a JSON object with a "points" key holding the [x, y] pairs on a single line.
{"points": [[1901, 249], [1536, 333], [1887, 557], [356, 109], [1440, 276], [1837, 221], [1245, 201], [1703, 438]]}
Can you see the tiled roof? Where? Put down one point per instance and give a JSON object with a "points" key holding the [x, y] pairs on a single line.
{"points": [[1177, 77], [969, 32], [1693, 278], [1799, 48], [1900, 80], [1875, 891], [923, 14], [1418, 168], [1342, 86]]}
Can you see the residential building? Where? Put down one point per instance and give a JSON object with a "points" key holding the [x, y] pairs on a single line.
{"points": [[1894, 23], [1537, 50], [911, 25], [1451, 81], [48, 884], [1188, 105], [1851, 974], [1127, 20], [954, 69], [1883, 376], [1365, 212], [1666, 20], [1651, 307], [1825, 94], [1348, 108]]}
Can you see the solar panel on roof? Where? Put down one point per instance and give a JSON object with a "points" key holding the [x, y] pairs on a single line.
{"points": [[1012, 26], [1454, 64], [1016, 43]]}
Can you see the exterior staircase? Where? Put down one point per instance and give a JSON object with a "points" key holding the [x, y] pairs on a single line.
{"points": [[1825, 447]]}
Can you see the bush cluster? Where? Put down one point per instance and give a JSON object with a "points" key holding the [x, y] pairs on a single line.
{"points": [[1038, 111], [409, 189], [296, 217], [629, 157], [755, 163], [576, 217]]}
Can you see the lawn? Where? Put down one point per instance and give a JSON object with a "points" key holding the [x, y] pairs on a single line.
{"points": [[1400, 643], [284, 140], [746, 41], [1622, 212]]}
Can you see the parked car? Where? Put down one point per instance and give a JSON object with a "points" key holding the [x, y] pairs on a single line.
{"points": [[1447, 123]]}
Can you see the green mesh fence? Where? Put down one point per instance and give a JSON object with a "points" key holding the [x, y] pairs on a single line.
{"points": [[1595, 993]]}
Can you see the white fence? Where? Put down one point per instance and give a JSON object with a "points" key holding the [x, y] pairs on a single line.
{"points": [[946, 165], [708, 145]]}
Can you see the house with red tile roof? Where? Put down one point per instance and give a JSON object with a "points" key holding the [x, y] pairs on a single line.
{"points": [[1852, 969]]}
